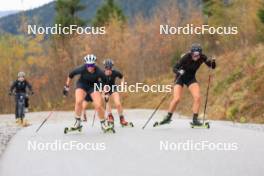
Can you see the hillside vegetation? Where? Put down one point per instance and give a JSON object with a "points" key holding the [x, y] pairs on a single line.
{"points": [[236, 91], [45, 15], [143, 55]]}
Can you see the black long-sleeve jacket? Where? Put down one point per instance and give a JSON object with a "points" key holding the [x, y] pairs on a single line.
{"points": [[190, 66], [20, 86]]}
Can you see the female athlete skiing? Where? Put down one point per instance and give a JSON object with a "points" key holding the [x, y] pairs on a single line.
{"points": [[111, 75], [111, 93], [185, 71], [90, 75]]}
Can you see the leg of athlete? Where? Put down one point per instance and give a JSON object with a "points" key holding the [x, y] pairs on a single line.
{"points": [[195, 91], [84, 107], [79, 98], [177, 93]]}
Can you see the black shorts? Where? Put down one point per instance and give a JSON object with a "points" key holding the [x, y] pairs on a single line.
{"points": [[186, 81], [112, 90], [88, 89]]}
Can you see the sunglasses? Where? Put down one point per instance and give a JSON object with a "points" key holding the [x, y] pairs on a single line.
{"points": [[90, 65], [108, 68]]}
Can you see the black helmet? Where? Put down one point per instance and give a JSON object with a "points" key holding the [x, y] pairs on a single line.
{"points": [[108, 63], [196, 47]]}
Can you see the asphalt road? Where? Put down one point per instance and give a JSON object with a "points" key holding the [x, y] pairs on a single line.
{"points": [[175, 149]]}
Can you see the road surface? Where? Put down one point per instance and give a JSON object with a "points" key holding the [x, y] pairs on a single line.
{"points": [[174, 149]]}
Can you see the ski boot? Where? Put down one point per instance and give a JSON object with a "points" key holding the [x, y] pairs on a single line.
{"points": [[197, 124], [106, 127], [124, 123], [76, 127], [166, 120], [111, 120]]}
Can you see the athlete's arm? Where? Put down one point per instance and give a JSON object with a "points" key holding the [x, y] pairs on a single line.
{"points": [[103, 80], [120, 76], [68, 82], [122, 83], [210, 62], [29, 86], [73, 73], [180, 63], [13, 86]]}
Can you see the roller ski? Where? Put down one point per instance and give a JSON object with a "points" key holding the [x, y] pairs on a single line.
{"points": [[166, 120], [124, 123], [197, 124], [77, 127], [111, 120], [106, 127]]}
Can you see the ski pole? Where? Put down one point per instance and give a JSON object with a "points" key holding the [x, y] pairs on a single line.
{"points": [[49, 115], [44, 121], [207, 92], [93, 118], [163, 99]]}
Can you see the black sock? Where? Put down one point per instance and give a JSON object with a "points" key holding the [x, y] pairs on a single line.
{"points": [[195, 116], [169, 115]]}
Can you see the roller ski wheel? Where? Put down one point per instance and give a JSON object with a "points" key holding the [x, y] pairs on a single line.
{"points": [[128, 124], [156, 124], [111, 124], [205, 125], [110, 130], [71, 129]]}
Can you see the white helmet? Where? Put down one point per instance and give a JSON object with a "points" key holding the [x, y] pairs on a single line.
{"points": [[89, 59], [21, 74]]}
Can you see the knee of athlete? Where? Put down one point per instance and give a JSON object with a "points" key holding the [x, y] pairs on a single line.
{"points": [[79, 103], [98, 106], [118, 105], [197, 98], [176, 100]]}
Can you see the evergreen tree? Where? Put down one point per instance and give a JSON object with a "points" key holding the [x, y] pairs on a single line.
{"points": [[108, 11], [66, 11], [207, 10], [261, 14]]}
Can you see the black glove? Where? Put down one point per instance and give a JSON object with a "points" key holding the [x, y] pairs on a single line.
{"points": [[10, 93], [31, 93], [66, 90]]}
